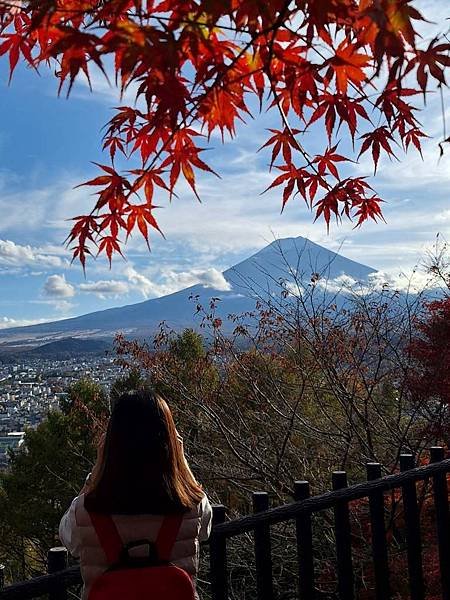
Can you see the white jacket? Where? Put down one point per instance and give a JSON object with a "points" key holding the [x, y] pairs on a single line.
{"points": [[77, 533]]}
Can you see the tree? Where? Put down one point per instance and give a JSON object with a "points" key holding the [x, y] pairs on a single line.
{"points": [[179, 367], [132, 380], [197, 66], [429, 382], [43, 477], [87, 407]]}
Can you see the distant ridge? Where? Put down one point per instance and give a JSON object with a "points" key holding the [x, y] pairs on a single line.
{"points": [[61, 349], [255, 275]]}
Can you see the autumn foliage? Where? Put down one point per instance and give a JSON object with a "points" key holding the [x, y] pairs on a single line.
{"points": [[431, 349], [196, 67]]}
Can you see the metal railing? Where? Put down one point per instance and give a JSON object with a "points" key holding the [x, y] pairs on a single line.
{"points": [[259, 523]]}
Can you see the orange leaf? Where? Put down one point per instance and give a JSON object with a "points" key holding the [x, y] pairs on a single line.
{"points": [[348, 66]]}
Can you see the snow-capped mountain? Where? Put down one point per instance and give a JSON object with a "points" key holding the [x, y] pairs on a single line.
{"points": [[284, 259]]}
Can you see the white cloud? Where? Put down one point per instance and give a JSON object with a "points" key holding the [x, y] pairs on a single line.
{"points": [[141, 283], [294, 288], [208, 278], [170, 281], [16, 255], [104, 289], [42, 211], [25, 210], [7, 323], [56, 286], [338, 284], [413, 281]]}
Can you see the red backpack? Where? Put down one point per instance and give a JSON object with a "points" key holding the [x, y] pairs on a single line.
{"points": [[140, 578]]}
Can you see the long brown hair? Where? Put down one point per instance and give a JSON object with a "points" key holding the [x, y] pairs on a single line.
{"points": [[141, 467]]}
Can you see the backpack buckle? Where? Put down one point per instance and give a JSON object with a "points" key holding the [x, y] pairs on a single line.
{"points": [[130, 559]]}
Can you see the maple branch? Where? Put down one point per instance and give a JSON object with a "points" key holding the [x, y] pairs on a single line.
{"points": [[191, 71], [210, 89]]}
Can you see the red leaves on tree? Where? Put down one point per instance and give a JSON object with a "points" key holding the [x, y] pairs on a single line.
{"points": [[413, 136], [18, 43], [75, 51], [377, 139], [431, 349], [84, 231], [348, 66], [431, 61], [336, 107], [293, 178], [221, 108], [328, 161], [109, 245], [184, 156], [350, 198], [282, 141], [148, 179], [141, 215], [332, 66], [114, 192]]}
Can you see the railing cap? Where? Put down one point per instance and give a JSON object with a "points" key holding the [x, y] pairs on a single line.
{"points": [[339, 479]]}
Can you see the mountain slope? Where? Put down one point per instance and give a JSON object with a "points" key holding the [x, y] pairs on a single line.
{"points": [[253, 276], [283, 258]]}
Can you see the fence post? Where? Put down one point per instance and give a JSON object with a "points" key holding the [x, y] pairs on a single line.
{"points": [[379, 546], [304, 545], [343, 540], [2, 577], [440, 492], [413, 539], [57, 561], [218, 557], [263, 551]]}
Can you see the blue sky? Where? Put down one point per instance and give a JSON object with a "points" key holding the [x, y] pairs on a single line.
{"points": [[47, 143]]}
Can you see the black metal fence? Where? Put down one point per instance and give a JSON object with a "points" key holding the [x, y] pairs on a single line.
{"points": [[259, 524]]}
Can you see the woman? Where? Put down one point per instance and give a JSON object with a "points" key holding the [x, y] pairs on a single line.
{"points": [[140, 476]]}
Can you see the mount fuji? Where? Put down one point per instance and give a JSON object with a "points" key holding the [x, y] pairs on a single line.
{"points": [[258, 275]]}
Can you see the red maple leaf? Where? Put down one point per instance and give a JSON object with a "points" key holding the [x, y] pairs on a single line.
{"points": [[431, 61], [377, 139], [282, 141], [141, 215], [326, 162], [348, 66]]}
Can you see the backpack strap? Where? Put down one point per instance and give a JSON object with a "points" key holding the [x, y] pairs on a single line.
{"points": [[108, 536], [167, 536]]}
